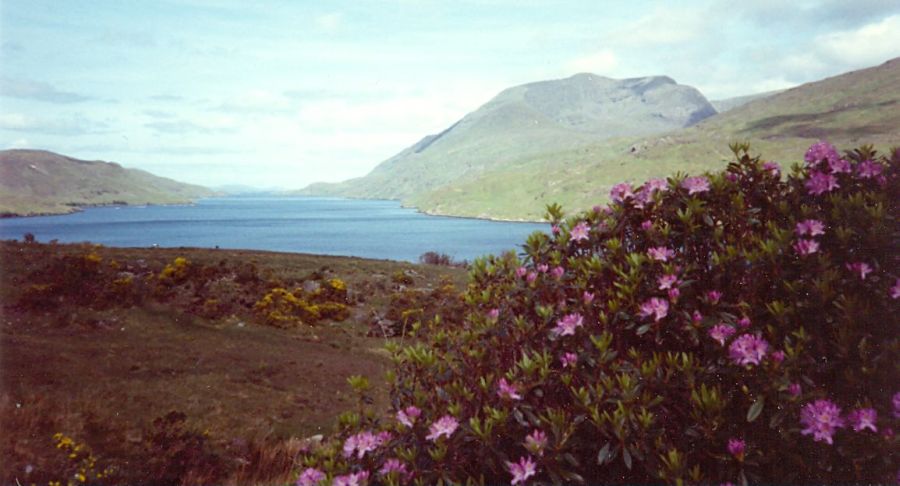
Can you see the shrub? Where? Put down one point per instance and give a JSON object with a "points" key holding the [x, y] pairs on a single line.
{"points": [[435, 258], [732, 327]]}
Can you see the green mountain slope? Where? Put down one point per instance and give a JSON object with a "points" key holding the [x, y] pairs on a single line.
{"points": [[528, 120], [857, 107], [41, 182]]}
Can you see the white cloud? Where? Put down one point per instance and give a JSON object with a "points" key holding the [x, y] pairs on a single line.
{"points": [[603, 62], [870, 44], [662, 27], [17, 144], [329, 22]]}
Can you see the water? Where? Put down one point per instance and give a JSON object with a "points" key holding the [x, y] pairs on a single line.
{"points": [[329, 226]]}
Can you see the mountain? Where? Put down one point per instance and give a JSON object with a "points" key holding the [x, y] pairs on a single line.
{"points": [[526, 121], [850, 109], [41, 182], [727, 104]]}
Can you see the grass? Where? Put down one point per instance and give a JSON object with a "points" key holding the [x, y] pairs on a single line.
{"points": [[102, 373]]}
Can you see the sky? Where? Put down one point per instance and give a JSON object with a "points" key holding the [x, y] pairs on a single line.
{"points": [[280, 94]]}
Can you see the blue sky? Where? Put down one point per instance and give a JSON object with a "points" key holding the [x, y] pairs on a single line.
{"points": [[285, 93]]}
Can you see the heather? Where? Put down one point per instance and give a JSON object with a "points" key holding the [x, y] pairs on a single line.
{"points": [[732, 327]]}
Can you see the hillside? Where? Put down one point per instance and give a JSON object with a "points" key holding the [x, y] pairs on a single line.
{"points": [[728, 104], [527, 121], [856, 107], [41, 182]]}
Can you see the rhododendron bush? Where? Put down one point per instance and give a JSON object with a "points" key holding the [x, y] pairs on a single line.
{"points": [[732, 327]]}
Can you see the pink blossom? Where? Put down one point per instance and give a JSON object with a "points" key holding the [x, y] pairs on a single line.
{"points": [[554, 229], [713, 296], [521, 470], [620, 192], [568, 359], [895, 290], [444, 426], [895, 400], [863, 418], [667, 282], [721, 332], [861, 268], [579, 232], [642, 198], [493, 314], [521, 272], [773, 168], [535, 442], [819, 183], [748, 349], [408, 415], [656, 307], [647, 225], [557, 272], [820, 151], [531, 277], [812, 227], [310, 477], [567, 325], [587, 297], [795, 389], [778, 356], [696, 184], [660, 254], [731, 176], [736, 448], [696, 317], [654, 185], [806, 247], [543, 267], [821, 418], [744, 322], [355, 479], [507, 391], [868, 169], [674, 293], [839, 166], [363, 443], [394, 466]]}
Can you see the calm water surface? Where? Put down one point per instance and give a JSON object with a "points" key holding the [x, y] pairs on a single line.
{"points": [[371, 229]]}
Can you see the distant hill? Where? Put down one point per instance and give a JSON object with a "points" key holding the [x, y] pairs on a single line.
{"points": [[727, 104], [857, 107], [41, 182], [526, 121]]}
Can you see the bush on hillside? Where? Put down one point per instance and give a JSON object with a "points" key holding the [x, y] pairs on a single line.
{"points": [[733, 327]]}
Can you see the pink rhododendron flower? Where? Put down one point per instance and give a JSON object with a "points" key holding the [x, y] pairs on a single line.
{"points": [[895, 290], [861, 268], [821, 419], [521, 272], [507, 391], [794, 389], [363, 443], [656, 307], [732, 177], [521, 470], [493, 314], [394, 466], [554, 229], [736, 448], [811, 227], [778, 356], [535, 442], [674, 293], [579, 232], [806, 247], [310, 477], [721, 332], [713, 296], [567, 325], [868, 169], [773, 168], [696, 317], [531, 277], [667, 282], [896, 402], [820, 151], [748, 349], [819, 183], [656, 184], [444, 426], [696, 184], [647, 225], [863, 418], [620, 192], [744, 322], [587, 297], [408, 415], [543, 267], [356, 479], [839, 166], [568, 359], [660, 254], [557, 272]]}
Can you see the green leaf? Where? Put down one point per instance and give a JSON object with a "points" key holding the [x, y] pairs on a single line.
{"points": [[756, 409], [603, 455], [626, 456]]}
